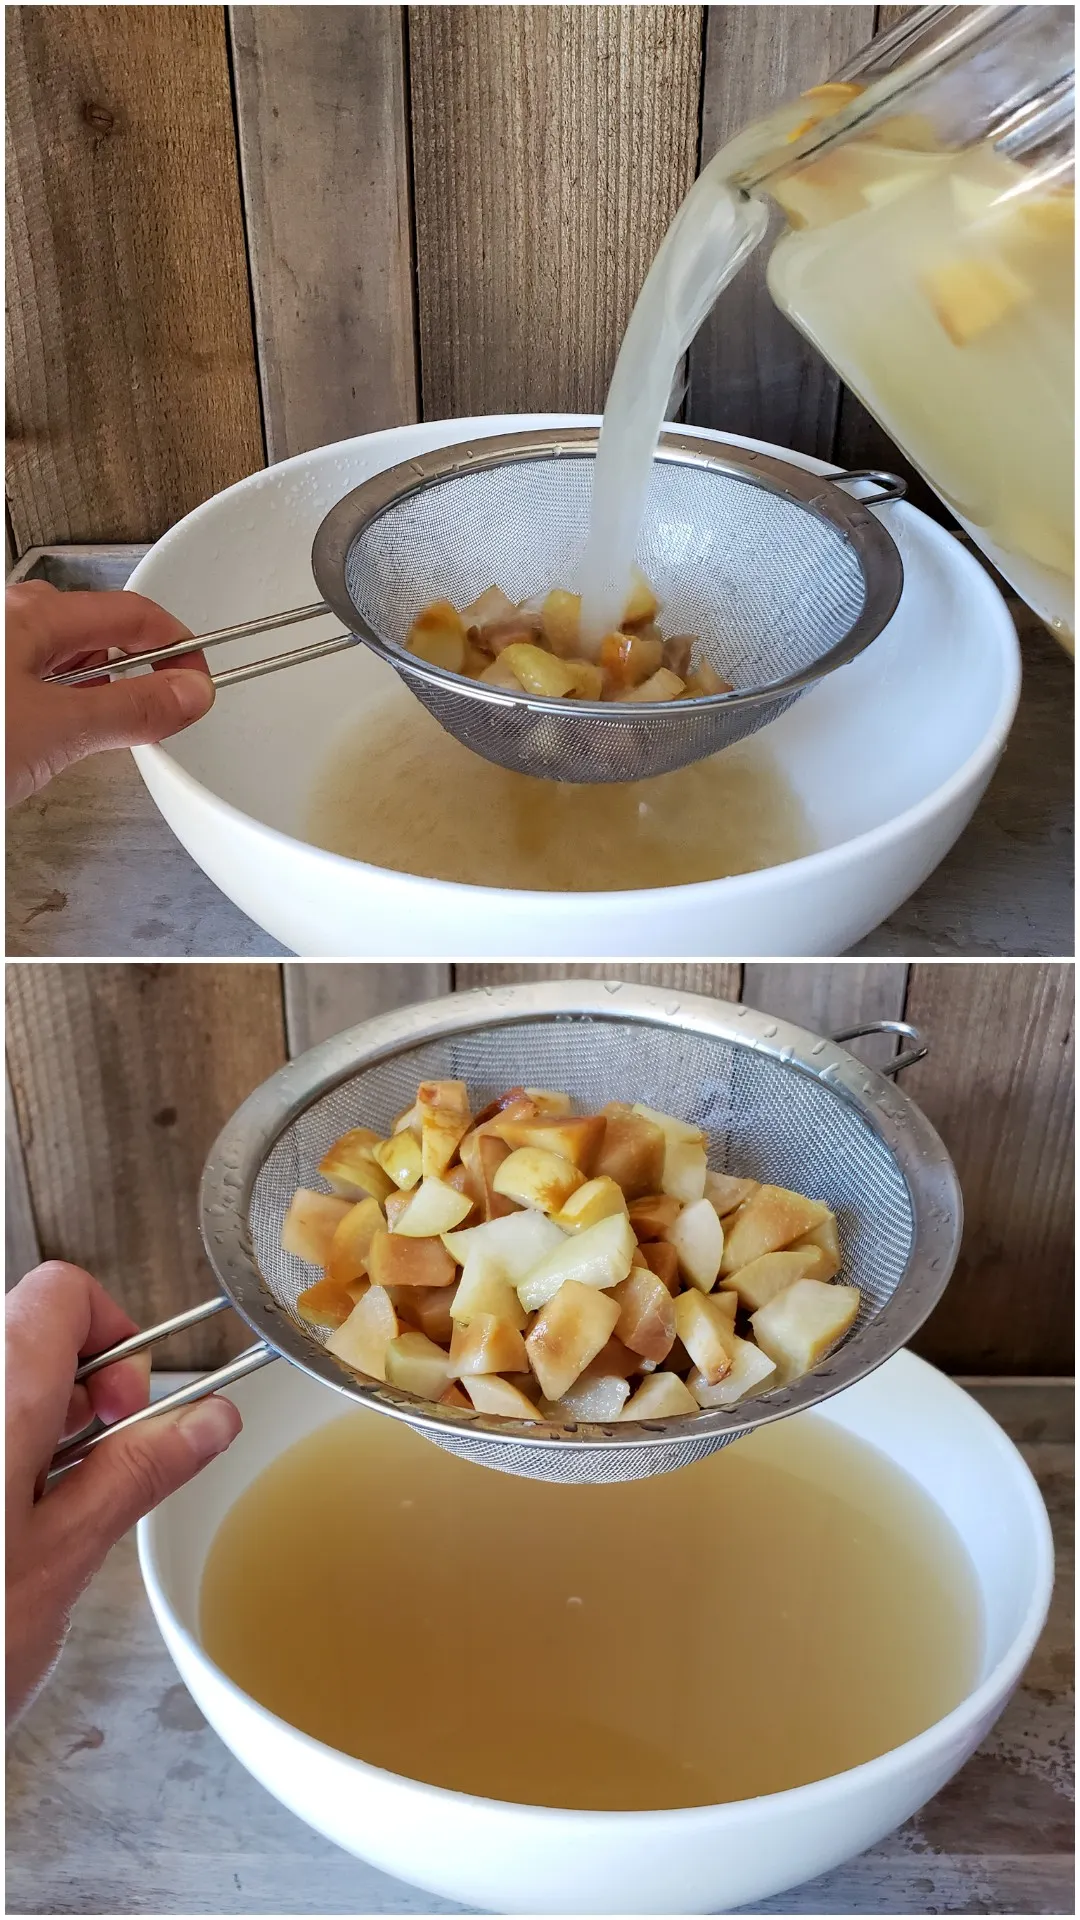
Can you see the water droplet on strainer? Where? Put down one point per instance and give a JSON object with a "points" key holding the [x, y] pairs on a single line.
{"points": [[742, 1012], [934, 1265], [613, 986], [770, 1033], [818, 1047]]}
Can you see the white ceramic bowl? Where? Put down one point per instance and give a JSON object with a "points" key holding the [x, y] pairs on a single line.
{"points": [[889, 756], [515, 1859]]}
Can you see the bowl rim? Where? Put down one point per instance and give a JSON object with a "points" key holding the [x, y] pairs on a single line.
{"points": [[159, 768], [987, 1697]]}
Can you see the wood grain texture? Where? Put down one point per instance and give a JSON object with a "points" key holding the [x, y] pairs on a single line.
{"points": [[999, 1087], [829, 999], [115, 1737], [324, 152], [324, 1000], [122, 1077], [720, 979], [131, 369], [21, 1246], [551, 147], [750, 371]]}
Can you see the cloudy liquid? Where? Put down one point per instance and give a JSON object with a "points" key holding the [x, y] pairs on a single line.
{"points": [[398, 792], [775, 1614]]}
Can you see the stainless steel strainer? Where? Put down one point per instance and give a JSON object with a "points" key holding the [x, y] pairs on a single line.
{"points": [[783, 575], [776, 1102]]}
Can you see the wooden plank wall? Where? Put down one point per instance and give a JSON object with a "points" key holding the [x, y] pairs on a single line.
{"points": [[237, 233], [122, 1075]]}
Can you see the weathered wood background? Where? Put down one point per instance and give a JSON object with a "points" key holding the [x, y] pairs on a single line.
{"points": [[120, 1077], [237, 233]]}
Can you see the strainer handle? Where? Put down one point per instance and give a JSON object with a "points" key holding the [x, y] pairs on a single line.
{"points": [[889, 485], [917, 1051], [199, 642]]}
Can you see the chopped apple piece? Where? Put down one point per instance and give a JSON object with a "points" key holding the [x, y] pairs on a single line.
{"points": [[490, 609], [684, 1170], [347, 1258], [490, 1394], [416, 1365], [578, 1139], [826, 1238], [394, 1206], [600, 1256], [641, 602], [516, 1244], [396, 1260], [552, 1105], [453, 1397], [728, 1301], [366, 1334], [352, 1169], [631, 1152], [327, 1304], [678, 648], [661, 685], [484, 1289], [749, 1370], [594, 1201], [654, 1215], [482, 1155], [408, 1122], [561, 618], [539, 672], [536, 1177], [437, 635], [772, 1217], [614, 1358], [646, 1319], [705, 681], [798, 1327], [970, 295], [725, 1193], [663, 1260], [661, 1397], [596, 1395], [698, 1239], [429, 1310], [629, 658], [569, 1332], [487, 1345], [309, 1227], [498, 674], [670, 1127], [588, 680], [434, 1208], [444, 1120], [705, 1330], [400, 1158]]}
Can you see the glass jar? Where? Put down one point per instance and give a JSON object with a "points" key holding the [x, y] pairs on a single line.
{"points": [[929, 198]]}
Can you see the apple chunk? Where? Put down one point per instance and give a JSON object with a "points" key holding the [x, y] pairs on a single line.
{"points": [[347, 1258], [351, 1168], [576, 1139], [726, 1193], [664, 1262], [654, 1215], [444, 1120], [517, 1243], [434, 1207], [826, 1238], [429, 1310], [416, 1365], [487, 1345], [661, 1397], [484, 1289], [327, 1304], [589, 1204], [698, 1239], [772, 1218], [599, 1257], [801, 1325], [400, 1158], [758, 1282], [536, 1177], [749, 1370], [632, 1152], [482, 1155], [646, 1321], [363, 1340], [489, 1393], [568, 1333], [395, 1260], [596, 1395], [705, 1329], [309, 1226]]}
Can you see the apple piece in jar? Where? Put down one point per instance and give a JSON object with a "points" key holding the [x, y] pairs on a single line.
{"points": [[973, 293], [569, 1331]]}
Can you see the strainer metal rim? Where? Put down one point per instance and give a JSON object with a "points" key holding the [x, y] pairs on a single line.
{"points": [[879, 557], [238, 1154]]}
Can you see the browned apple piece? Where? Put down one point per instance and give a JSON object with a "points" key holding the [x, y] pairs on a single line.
{"points": [[660, 686], [498, 674], [588, 680], [540, 673], [462, 1181], [661, 1397], [627, 659], [578, 1140], [395, 1205], [678, 648], [428, 1309], [561, 620], [537, 1177], [653, 1215], [400, 1158], [453, 1397], [646, 1316], [641, 601], [547, 1101], [327, 1304], [408, 1122], [724, 1192], [590, 1203], [348, 1255], [491, 1394], [772, 1218], [433, 1207], [706, 1332], [826, 1238], [310, 1224], [490, 609], [366, 1334], [416, 1365], [569, 1332], [631, 1153], [704, 680], [750, 1371], [614, 1358], [798, 1327], [662, 1259], [437, 635], [444, 1120], [395, 1261], [487, 1345], [351, 1168]]}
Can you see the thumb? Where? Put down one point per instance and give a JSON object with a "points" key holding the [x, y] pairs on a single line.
{"points": [[126, 1476], [141, 709]]}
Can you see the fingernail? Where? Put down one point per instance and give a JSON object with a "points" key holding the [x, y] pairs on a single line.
{"points": [[193, 691], [209, 1427]]}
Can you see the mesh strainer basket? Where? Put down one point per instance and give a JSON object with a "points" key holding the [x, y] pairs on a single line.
{"points": [[782, 574], [775, 1101]]}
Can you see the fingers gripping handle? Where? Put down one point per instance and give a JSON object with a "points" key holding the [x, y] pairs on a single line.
{"points": [[201, 642]]}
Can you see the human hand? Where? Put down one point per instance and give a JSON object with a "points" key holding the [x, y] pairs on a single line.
{"points": [[58, 1537], [52, 632]]}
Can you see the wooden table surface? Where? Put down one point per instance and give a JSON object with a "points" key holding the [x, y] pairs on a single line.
{"points": [[94, 870], [122, 1800]]}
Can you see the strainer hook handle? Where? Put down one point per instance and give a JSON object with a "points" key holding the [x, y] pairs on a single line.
{"points": [[918, 1049], [889, 485]]}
